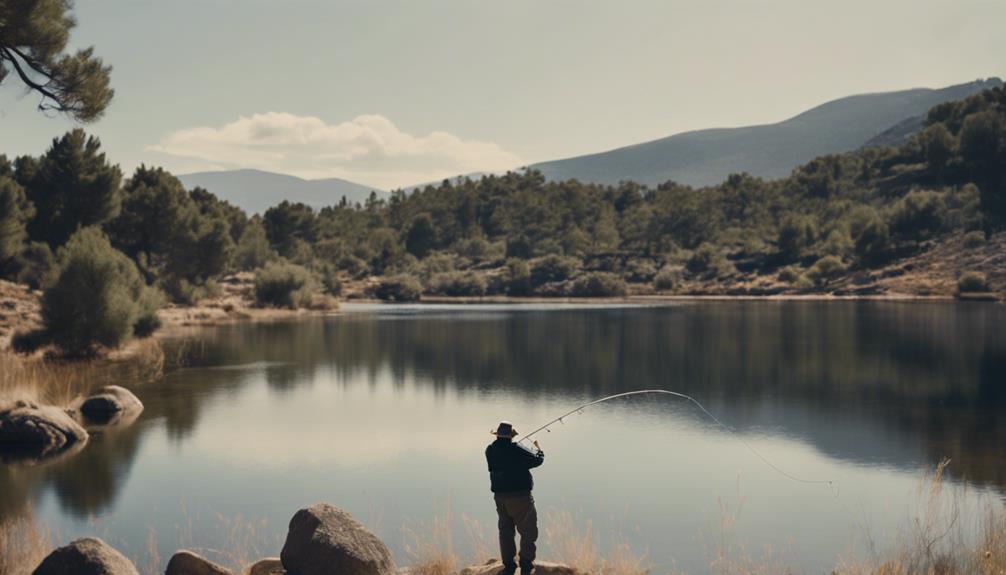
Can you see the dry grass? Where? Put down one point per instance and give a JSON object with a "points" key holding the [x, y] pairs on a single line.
{"points": [[944, 536], [572, 542], [59, 382], [430, 546], [23, 544]]}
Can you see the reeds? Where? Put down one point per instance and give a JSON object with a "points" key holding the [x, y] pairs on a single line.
{"points": [[23, 544]]}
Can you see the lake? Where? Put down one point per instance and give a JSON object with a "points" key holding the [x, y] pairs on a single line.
{"points": [[385, 411]]}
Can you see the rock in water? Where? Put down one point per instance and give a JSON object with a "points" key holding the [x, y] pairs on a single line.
{"points": [[38, 431], [188, 563], [110, 399], [87, 556], [268, 566], [325, 540]]}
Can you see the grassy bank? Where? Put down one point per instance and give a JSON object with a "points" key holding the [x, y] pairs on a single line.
{"points": [[940, 537]]}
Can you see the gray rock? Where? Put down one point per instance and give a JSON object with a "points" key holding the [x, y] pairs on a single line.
{"points": [[110, 399], [325, 540], [268, 566], [87, 556], [38, 431], [188, 563]]}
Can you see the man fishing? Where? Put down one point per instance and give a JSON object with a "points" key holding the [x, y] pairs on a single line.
{"points": [[511, 482]]}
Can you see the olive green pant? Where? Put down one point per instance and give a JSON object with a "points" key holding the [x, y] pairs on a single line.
{"points": [[517, 512]]}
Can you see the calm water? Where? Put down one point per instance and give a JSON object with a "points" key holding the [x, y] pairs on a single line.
{"points": [[385, 411]]}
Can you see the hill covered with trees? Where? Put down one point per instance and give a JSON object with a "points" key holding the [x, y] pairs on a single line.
{"points": [[707, 157], [849, 223]]}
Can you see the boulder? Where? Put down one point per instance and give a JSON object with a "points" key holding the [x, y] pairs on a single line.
{"points": [[495, 566], [188, 563], [109, 400], [87, 556], [325, 540], [268, 566], [38, 431]]}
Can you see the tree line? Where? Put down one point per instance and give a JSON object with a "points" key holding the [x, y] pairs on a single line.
{"points": [[514, 233]]}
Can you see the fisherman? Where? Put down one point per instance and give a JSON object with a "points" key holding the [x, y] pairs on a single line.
{"points": [[510, 477]]}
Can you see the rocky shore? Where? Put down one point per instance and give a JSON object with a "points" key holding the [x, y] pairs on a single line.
{"points": [[321, 540]]}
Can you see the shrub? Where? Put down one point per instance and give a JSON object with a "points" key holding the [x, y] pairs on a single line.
{"points": [[401, 287], [796, 233], [918, 214], [330, 280], [640, 270], [457, 284], [597, 284], [709, 260], [436, 263], [975, 239], [666, 279], [518, 277], [284, 284], [553, 268], [355, 266], [37, 265], [97, 298], [790, 274], [826, 268], [183, 291], [972, 282], [478, 249]]}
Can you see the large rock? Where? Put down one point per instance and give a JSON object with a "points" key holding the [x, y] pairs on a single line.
{"points": [[325, 540], [188, 563], [268, 566], [87, 556], [495, 566], [34, 430], [109, 400]]}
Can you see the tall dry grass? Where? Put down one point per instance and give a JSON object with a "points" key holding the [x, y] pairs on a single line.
{"points": [[60, 382], [945, 535], [23, 544]]}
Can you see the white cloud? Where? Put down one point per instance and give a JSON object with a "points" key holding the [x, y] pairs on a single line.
{"points": [[368, 149]]}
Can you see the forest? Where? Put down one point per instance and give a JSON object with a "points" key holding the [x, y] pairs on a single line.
{"points": [[73, 226]]}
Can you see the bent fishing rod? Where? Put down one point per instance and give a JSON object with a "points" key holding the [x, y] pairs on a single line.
{"points": [[830, 483]]}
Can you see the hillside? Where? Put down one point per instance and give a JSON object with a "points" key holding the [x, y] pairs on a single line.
{"points": [[255, 191], [707, 157]]}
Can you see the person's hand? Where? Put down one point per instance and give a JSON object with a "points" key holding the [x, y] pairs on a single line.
{"points": [[536, 446]]}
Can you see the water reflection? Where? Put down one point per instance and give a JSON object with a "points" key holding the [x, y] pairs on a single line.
{"points": [[899, 385]]}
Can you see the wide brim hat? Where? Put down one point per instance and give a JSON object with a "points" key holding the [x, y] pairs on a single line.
{"points": [[504, 429]]}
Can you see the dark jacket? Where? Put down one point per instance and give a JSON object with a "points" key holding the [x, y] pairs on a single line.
{"points": [[509, 465]]}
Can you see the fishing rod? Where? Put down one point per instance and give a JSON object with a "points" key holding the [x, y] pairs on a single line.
{"points": [[830, 483]]}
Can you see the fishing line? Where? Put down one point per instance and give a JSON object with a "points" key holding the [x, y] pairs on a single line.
{"points": [[833, 485]]}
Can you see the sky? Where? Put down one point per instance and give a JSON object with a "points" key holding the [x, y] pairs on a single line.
{"points": [[390, 93]]}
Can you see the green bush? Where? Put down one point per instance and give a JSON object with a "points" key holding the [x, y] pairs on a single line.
{"points": [[597, 284], [553, 268], [330, 280], [972, 282], [401, 287], [37, 265], [97, 298], [284, 284], [640, 270], [709, 260], [518, 277], [826, 268], [436, 263], [666, 279], [457, 284], [790, 274], [975, 239]]}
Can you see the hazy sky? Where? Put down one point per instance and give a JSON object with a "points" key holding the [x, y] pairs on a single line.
{"points": [[395, 92]]}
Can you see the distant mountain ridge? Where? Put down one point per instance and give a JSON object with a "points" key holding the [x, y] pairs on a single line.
{"points": [[255, 191], [707, 157]]}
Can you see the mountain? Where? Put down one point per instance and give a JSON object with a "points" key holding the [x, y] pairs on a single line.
{"points": [[255, 191], [707, 157]]}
